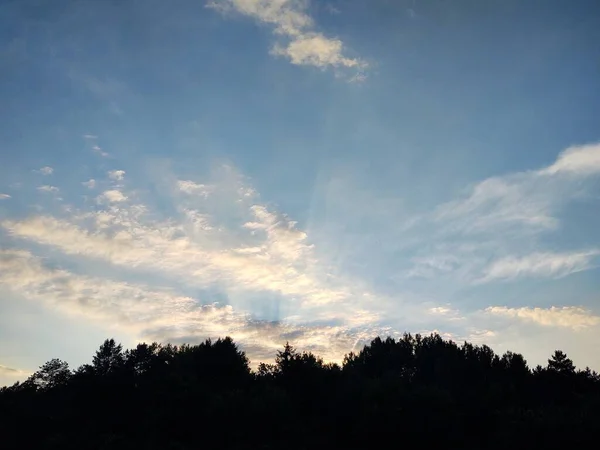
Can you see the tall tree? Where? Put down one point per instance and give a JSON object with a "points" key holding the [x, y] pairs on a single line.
{"points": [[109, 358], [560, 363], [52, 374]]}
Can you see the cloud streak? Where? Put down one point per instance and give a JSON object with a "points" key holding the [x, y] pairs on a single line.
{"points": [[48, 189], [540, 265], [4, 370], [571, 317], [9, 375]]}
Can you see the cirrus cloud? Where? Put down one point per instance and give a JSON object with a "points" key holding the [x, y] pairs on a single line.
{"points": [[540, 264]]}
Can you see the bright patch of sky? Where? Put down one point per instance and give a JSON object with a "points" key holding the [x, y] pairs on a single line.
{"points": [[318, 172]]}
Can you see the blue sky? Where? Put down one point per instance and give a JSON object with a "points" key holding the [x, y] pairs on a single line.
{"points": [[319, 172]]}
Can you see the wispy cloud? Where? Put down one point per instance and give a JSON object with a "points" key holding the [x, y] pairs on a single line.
{"points": [[90, 136], [500, 202], [48, 188], [4, 196], [303, 44], [90, 184], [447, 312], [332, 9], [116, 175], [47, 170], [427, 267], [572, 317], [98, 150], [540, 265], [491, 232], [530, 199]]}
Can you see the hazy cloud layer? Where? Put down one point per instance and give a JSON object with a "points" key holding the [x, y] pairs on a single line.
{"points": [[221, 241]]}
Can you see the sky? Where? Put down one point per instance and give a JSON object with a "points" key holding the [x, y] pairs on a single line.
{"points": [[318, 172]]}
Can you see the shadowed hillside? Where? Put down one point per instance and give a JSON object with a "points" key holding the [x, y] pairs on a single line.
{"points": [[412, 392]]}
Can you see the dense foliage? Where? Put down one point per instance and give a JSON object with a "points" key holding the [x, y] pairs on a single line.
{"points": [[416, 391]]}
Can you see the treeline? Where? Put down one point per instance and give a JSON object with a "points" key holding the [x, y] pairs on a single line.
{"points": [[412, 392]]}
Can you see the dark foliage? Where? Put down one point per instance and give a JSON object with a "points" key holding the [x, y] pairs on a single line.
{"points": [[417, 391]]}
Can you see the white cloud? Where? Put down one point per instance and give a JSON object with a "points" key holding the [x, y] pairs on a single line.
{"points": [[446, 313], [4, 196], [316, 50], [90, 136], [47, 188], [112, 196], [47, 170], [189, 187], [539, 265], [572, 317], [431, 266], [577, 160], [442, 310], [117, 175], [90, 184], [290, 20]]}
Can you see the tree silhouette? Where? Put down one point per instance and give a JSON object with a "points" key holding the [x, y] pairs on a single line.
{"points": [[109, 358], [416, 389], [53, 374], [561, 364]]}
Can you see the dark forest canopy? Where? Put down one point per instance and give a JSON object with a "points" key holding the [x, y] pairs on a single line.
{"points": [[414, 391]]}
